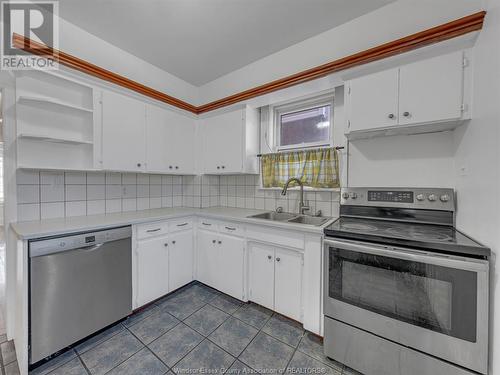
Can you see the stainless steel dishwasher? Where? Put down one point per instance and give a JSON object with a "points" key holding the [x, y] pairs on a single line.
{"points": [[79, 284]]}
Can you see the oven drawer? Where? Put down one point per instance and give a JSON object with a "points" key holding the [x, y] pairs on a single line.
{"points": [[373, 355]]}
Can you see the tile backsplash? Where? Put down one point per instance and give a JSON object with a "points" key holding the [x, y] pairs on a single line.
{"points": [[49, 194]]}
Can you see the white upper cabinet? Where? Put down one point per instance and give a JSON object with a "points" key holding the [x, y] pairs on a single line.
{"points": [[374, 100], [169, 141], [230, 142], [123, 133], [424, 96]]}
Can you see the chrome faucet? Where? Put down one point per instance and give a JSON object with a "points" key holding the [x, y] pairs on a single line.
{"points": [[302, 206]]}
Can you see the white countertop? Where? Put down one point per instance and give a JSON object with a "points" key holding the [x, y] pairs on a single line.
{"points": [[51, 227]]}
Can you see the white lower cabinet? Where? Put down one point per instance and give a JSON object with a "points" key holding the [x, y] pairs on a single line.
{"points": [[180, 253], [275, 279], [221, 262], [151, 260]]}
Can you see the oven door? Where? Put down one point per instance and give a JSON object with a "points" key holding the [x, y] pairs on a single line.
{"points": [[431, 302]]}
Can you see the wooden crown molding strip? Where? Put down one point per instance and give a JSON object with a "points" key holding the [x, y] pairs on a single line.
{"points": [[461, 26]]}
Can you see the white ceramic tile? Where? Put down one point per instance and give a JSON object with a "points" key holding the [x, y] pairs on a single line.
{"points": [[249, 202], [76, 192], [240, 180], [214, 201], [250, 180], [113, 205], [113, 178], [129, 191], [223, 201], [52, 193], [177, 201], [166, 180], [223, 180], [51, 178], [240, 191], [259, 203], [142, 203], [166, 201], [155, 191], [75, 178], [324, 196], [28, 212], [177, 190], [129, 179], [231, 180], [96, 178], [77, 208], [231, 190], [154, 202], [325, 207], [113, 191], [142, 179], [205, 202], [187, 201], [249, 191], [26, 177], [28, 193], [52, 210], [143, 191], [95, 192], [176, 180], [269, 204], [96, 207], [166, 190], [129, 204], [231, 201], [155, 179]]}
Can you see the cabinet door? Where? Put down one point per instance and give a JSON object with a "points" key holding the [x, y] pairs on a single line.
{"points": [[288, 283], [261, 275], [208, 258], [223, 143], [123, 133], [169, 141], [152, 270], [373, 101], [431, 90], [180, 259], [231, 262]]}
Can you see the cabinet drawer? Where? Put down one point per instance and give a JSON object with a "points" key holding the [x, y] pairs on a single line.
{"points": [[276, 236], [180, 224], [207, 224], [152, 229], [231, 228]]}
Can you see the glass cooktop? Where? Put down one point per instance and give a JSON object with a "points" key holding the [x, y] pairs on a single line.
{"points": [[424, 236]]}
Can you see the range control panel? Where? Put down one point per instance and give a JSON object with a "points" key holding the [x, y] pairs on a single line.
{"points": [[423, 198]]}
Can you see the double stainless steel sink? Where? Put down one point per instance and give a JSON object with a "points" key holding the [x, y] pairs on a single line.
{"points": [[291, 218]]}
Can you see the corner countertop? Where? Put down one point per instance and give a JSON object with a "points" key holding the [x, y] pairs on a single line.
{"points": [[28, 230]]}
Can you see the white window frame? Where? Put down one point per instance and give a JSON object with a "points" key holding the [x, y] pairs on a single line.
{"points": [[302, 105]]}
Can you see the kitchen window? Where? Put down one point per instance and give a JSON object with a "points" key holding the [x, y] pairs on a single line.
{"points": [[304, 124]]}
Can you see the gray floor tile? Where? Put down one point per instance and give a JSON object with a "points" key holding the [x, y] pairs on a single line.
{"points": [[51, 365], [73, 367], [239, 368], [152, 327], [182, 305], [303, 364], [12, 369], [140, 315], [205, 358], [99, 338], [111, 353], [284, 329], [226, 303], [350, 371], [206, 319], [266, 354], [143, 362], [253, 314], [312, 345], [203, 292], [175, 344], [8, 352], [233, 336]]}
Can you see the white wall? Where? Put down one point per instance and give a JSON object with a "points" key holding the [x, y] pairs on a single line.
{"points": [[478, 159], [393, 21]]}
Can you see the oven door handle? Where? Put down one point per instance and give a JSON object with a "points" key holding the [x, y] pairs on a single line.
{"points": [[469, 264]]}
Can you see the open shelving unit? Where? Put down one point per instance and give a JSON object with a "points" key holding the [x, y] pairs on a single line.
{"points": [[55, 122]]}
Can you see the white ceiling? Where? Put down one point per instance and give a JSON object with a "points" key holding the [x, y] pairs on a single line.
{"points": [[201, 40]]}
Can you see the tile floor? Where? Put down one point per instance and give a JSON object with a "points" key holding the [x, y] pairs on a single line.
{"points": [[198, 330]]}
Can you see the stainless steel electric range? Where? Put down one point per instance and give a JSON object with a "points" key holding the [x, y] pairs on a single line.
{"points": [[404, 291]]}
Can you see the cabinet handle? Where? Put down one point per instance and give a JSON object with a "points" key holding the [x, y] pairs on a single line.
{"points": [[218, 167], [165, 244], [406, 114], [208, 224], [269, 257], [278, 259], [214, 241], [219, 242], [170, 167], [223, 166], [229, 228], [153, 230], [181, 225], [176, 167], [173, 242], [391, 115], [139, 165]]}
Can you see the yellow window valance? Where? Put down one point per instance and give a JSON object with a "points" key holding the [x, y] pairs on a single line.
{"points": [[318, 168]]}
